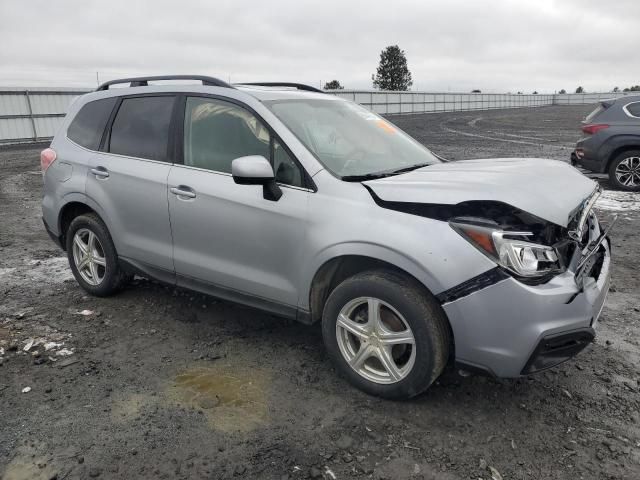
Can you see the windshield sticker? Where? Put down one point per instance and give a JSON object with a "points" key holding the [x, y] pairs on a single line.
{"points": [[386, 126]]}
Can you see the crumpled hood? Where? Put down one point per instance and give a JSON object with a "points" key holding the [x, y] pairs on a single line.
{"points": [[549, 189]]}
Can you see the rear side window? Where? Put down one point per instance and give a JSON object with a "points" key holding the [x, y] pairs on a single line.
{"points": [[633, 109], [141, 128], [88, 125]]}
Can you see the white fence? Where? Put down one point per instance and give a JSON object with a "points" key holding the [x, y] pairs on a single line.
{"points": [[390, 103], [30, 115]]}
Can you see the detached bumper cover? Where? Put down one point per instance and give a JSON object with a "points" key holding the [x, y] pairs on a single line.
{"points": [[509, 328]]}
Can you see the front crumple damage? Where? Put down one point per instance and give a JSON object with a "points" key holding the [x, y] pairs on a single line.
{"points": [[548, 189], [501, 215]]}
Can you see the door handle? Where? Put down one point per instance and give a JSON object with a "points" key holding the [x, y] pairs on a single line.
{"points": [[100, 172], [183, 191]]}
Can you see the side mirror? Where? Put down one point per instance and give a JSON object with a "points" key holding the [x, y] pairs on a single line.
{"points": [[256, 170]]}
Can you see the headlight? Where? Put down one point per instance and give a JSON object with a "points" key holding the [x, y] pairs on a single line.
{"points": [[512, 250]]}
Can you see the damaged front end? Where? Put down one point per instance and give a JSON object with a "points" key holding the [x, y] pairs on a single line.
{"points": [[531, 249], [534, 250]]}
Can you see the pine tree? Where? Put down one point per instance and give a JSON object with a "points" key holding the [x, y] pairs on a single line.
{"points": [[392, 73], [333, 85]]}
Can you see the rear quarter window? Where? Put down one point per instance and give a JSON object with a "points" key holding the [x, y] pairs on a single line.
{"points": [[87, 127], [633, 109]]}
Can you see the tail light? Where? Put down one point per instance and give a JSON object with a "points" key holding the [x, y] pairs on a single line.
{"points": [[594, 128], [47, 157]]}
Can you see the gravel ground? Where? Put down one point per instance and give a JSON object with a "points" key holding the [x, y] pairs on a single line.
{"points": [[163, 383]]}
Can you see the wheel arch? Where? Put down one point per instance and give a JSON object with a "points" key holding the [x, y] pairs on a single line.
{"points": [[617, 148], [75, 206], [340, 267]]}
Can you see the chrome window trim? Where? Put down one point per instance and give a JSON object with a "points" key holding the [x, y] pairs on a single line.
{"points": [[629, 114]]}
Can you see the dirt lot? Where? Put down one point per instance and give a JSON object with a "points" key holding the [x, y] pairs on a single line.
{"points": [[159, 383]]}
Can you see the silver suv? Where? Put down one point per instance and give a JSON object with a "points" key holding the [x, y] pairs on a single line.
{"points": [[308, 206]]}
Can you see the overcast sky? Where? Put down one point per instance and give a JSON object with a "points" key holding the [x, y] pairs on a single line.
{"points": [[451, 45]]}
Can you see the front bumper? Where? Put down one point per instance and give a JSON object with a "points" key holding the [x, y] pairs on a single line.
{"points": [[509, 328]]}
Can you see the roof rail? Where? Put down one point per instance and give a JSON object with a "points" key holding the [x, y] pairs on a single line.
{"points": [[144, 81], [299, 86]]}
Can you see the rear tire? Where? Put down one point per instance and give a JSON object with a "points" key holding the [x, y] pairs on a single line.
{"points": [[386, 363], [92, 256], [624, 171]]}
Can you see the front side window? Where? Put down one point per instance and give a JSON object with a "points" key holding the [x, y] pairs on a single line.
{"points": [[349, 140], [87, 127], [217, 132], [141, 128]]}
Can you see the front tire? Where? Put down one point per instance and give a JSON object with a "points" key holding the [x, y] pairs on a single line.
{"points": [[386, 333], [92, 256], [624, 171]]}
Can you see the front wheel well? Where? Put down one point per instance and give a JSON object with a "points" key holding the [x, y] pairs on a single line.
{"points": [[338, 269], [70, 211]]}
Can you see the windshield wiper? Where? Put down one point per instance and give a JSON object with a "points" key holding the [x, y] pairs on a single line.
{"points": [[409, 168], [366, 176], [386, 173]]}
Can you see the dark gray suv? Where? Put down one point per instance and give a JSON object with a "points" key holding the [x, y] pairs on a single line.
{"points": [[612, 142]]}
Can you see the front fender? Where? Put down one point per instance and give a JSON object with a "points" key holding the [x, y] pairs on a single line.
{"points": [[371, 250]]}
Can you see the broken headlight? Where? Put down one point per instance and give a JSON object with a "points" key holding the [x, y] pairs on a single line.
{"points": [[513, 250]]}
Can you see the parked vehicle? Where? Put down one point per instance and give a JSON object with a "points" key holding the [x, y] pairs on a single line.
{"points": [[311, 207], [612, 142]]}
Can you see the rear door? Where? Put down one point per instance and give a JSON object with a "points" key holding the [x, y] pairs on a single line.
{"points": [[228, 239], [128, 179]]}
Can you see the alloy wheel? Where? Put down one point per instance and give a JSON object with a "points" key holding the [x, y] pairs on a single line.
{"points": [[375, 340], [88, 256], [628, 172]]}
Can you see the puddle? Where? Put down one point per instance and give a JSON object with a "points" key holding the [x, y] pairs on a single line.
{"points": [[232, 398]]}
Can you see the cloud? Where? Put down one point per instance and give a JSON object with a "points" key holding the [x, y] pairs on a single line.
{"points": [[501, 45]]}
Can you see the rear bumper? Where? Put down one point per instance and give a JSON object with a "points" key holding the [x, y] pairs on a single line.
{"points": [[56, 238], [586, 157], [511, 329]]}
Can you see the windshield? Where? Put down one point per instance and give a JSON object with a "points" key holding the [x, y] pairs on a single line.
{"points": [[349, 140]]}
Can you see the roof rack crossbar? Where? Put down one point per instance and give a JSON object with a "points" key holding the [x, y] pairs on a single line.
{"points": [[144, 81], [299, 86]]}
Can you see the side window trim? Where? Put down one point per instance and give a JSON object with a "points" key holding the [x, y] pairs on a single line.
{"points": [[176, 129], [106, 136], [626, 109], [309, 184]]}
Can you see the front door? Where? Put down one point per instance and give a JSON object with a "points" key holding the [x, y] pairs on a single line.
{"points": [[228, 236]]}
